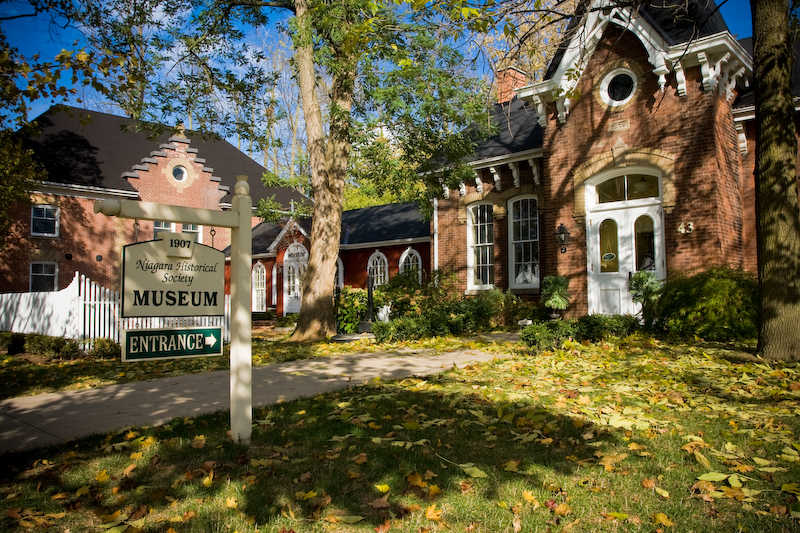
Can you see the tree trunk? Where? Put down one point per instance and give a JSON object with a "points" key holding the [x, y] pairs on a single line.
{"points": [[777, 212], [328, 162]]}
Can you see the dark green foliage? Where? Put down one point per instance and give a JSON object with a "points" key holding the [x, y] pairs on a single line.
{"points": [[595, 328], [402, 329], [12, 343], [105, 349], [555, 292], [263, 315], [71, 350], [351, 308], [286, 321], [644, 287], [549, 335], [719, 304], [36, 343]]}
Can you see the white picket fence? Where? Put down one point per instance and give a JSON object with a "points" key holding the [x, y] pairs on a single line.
{"points": [[86, 311]]}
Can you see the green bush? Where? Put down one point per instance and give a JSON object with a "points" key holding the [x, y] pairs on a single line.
{"points": [[286, 321], [105, 349], [36, 343], [548, 335], [401, 329], [71, 350], [644, 287], [12, 343], [595, 328], [263, 315], [555, 292], [719, 304]]}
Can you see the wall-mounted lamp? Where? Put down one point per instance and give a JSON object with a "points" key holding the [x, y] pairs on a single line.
{"points": [[562, 237]]}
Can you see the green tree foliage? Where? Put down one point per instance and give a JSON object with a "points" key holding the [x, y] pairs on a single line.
{"points": [[18, 170]]}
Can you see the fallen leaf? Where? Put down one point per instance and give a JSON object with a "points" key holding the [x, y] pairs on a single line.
{"points": [[199, 442], [380, 503], [101, 476], [661, 519], [383, 528], [382, 488], [431, 513], [231, 502], [649, 483]]}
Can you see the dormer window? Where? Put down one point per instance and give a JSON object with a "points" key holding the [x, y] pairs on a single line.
{"points": [[618, 87]]}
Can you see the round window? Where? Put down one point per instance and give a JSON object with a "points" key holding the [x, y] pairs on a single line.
{"points": [[180, 173], [618, 87]]}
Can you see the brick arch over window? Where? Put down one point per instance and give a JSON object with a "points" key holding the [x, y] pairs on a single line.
{"points": [[621, 157], [499, 200]]}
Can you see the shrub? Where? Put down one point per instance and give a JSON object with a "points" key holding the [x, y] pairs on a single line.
{"points": [[719, 304], [548, 335], [12, 343], [71, 350], [263, 315], [286, 321], [105, 349], [644, 287], [36, 343], [595, 328], [401, 329]]}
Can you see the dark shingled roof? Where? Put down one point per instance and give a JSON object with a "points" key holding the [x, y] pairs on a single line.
{"points": [[676, 21], [80, 147], [383, 223], [517, 130]]}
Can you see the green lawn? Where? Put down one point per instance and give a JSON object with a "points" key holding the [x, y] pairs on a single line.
{"points": [[630, 436]]}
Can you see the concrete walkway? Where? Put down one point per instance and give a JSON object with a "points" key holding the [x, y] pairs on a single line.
{"points": [[33, 421]]}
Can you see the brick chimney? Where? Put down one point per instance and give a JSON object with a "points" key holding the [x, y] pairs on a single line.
{"points": [[508, 81]]}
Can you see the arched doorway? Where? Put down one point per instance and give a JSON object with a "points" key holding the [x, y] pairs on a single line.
{"points": [[625, 235], [295, 261]]}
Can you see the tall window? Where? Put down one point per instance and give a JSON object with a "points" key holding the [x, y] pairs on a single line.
{"points": [[480, 259], [411, 261], [378, 268], [259, 288], [44, 276], [158, 227], [44, 221], [193, 230], [293, 282], [523, 236]]}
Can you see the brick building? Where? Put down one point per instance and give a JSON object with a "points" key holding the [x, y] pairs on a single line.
{"points": [[95, 156], [639, 140]]}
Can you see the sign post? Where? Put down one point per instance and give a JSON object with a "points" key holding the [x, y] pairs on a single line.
{"points": [[192, 278]]}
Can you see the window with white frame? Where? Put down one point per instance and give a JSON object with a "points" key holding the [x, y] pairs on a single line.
{"points": [[523, 242], [411, 261], [259, 277], [158, 227], [339, 279], [194, 230], [480, 240], [378, 268], [293, 282], [44, 220], [44, 276]]}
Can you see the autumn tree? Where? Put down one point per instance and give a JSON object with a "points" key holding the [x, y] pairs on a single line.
{"points": [[777, 211]]}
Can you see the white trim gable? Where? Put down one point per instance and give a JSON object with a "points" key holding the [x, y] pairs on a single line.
{"points": [[722, 59], [273, 248]]}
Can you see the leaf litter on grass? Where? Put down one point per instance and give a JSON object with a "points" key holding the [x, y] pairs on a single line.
{"points": [[639, 436]]}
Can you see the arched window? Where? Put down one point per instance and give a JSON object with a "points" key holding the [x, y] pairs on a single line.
{"points": [[480, 241], [411, 261], [378, 268], [339, 279], [523, 242], [259, 280]]}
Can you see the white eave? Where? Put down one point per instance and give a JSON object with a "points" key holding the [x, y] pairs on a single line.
{"points": [[383, 244], [82, 191]]}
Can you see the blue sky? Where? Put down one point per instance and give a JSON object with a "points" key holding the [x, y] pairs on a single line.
{"points": [[737, 15]]}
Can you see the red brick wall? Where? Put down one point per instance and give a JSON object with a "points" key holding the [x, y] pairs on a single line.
{"points": [[697, 130], [84, 236], [355, 261]]}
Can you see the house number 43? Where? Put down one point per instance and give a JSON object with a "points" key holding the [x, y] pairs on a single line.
{"points": [[686, 227]]}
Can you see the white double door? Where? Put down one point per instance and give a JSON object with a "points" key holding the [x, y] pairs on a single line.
{"points": [[620, 243]]}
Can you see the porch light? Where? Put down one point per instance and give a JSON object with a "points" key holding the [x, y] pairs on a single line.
{"points": [[562, 237]]}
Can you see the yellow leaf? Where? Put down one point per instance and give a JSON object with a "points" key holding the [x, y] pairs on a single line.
{"points": [[175, 519], [530, 498], [129, 469], [662, 492], [83, 490], [352, 474], [361, 459], [101, 476], [661, 519], [700, 458], [382, 488], [562, 509], [231, 502], [209, 479], [434, 491], [431, 513], [608, 461], [136, 456], [511, 466], [199, 442], [429, 475], [416, 479]]}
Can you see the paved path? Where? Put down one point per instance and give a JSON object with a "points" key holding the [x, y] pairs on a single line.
{"points": [[32, 421]]}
